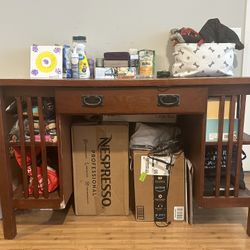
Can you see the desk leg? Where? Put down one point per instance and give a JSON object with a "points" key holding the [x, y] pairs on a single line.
{"points": [[6, 192], [248, 222]]}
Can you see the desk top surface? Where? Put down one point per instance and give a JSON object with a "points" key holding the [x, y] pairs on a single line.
{"points": [[164, 82]]}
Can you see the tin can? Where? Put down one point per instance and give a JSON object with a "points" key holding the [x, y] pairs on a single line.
{"points": [[146, 63]]}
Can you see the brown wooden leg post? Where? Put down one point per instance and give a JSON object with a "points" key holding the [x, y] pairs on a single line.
{"points": [[248, 222], [6, 193]]}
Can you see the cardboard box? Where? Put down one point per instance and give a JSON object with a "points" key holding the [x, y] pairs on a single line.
{"points": [[100, 166], [115, 72], [212, 130], [104, 73], [144, 193], [46, 61], [213, 108]]}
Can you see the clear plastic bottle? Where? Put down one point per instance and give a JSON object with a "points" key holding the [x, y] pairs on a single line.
{"points": [[79, 45], [75, 64]]}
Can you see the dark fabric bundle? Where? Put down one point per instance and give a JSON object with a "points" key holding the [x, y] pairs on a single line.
{"points": [[214, 31]]}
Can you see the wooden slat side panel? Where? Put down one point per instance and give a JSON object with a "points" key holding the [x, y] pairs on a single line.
{"points": [[6, 193], [219, 145], [43, 147], [230, 144], [22, 146], [32, 148], [241, 119]]}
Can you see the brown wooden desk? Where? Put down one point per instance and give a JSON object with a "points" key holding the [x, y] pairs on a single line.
{"points": [[84, 97]]}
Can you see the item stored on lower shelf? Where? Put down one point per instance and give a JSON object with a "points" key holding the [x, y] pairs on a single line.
{"points": [[149, 202], [52, 177], [100, 166], [210, 168], [212, 130], [50, 136], [48, 114], [149, 136]]}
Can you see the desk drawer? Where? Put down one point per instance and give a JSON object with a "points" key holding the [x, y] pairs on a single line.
{"points": [[131, 101]]}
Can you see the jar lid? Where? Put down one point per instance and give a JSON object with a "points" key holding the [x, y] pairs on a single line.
{"points": [[79, 38], [99, 62]]}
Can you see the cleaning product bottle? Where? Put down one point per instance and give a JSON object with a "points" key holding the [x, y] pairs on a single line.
{"points": [[75, 64], [79, 43]]}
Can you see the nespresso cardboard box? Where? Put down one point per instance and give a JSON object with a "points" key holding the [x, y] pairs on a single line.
{"points": [[144, 188], [100, 165]]}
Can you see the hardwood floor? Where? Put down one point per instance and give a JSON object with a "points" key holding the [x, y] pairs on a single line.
{"points": [[213, 229]]}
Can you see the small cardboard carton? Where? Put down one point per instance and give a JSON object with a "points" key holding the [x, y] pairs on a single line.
{"points": [[100, 166], [212, 123], [144, 189], [212, 130], [213, 108]]}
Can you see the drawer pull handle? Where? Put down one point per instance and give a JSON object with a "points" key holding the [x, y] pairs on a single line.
{"points": [[168, 100], [92, 100]]}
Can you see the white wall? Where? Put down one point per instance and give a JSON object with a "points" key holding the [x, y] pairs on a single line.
{"points": [[109, 25]]}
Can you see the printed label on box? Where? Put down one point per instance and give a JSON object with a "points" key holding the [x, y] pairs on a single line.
{"points": [[154, 167], [179, 213], [214, 136]]}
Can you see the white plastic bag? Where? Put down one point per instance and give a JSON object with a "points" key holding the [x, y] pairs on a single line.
{"points": [[147, 136], [208, 59]]}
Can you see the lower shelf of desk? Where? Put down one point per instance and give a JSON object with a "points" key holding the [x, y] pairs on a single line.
{"points": [[54, 201]]}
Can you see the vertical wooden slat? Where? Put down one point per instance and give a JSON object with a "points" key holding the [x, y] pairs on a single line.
{"points": [[6, 192], [32, 147], [61, 154], [22, 145], [43, 148], [219, 145], [230, 144], [239, 143], [248, 222]]}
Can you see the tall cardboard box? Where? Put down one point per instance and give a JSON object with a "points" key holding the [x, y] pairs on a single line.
{"points": [[100, 166], [144, 190]]}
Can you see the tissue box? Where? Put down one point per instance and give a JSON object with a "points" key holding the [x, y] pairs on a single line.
{"points": [[46, 62]]}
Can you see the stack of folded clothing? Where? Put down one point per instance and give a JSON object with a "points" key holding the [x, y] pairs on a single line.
{"points": [[49, 136], [49, 121]]}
